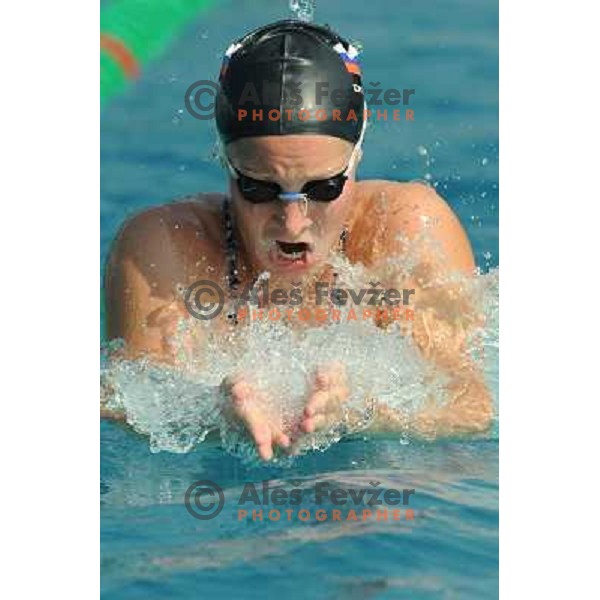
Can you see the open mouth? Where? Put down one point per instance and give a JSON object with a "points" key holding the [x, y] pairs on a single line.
{"points": [[292, 251]]}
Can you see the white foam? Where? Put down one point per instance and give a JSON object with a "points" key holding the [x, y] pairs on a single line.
{"points": [[177, 407]]}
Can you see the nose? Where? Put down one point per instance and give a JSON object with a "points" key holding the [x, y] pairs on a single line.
{"points": [[294, 219]]}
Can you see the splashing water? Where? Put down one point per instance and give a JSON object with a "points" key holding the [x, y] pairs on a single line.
{"points": [[304, 10], [177, 407]]}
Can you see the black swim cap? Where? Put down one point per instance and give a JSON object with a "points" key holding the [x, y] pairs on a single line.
{"points": [[306, 73]]}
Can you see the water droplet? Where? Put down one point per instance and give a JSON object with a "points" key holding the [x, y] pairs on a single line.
{"points": [[484, 161], [304, 10], [177, 117], [422, 150], [266, 344]]}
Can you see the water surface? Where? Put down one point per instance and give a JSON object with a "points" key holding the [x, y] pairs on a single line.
{"points": [[153, 151]]}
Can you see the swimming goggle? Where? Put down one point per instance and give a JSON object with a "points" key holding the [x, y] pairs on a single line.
{"points": [[319, 190], [257, 191]]}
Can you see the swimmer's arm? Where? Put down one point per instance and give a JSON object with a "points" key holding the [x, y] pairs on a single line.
{"points": [[469, 409], [445, 322], [140, 307], [444, 315], [141, 276], [442, 337]]}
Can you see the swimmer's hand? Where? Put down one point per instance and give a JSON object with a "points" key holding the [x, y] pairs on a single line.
{"points": [[251, 408], [325, 404]]}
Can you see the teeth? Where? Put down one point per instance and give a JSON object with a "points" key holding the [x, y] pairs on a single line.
{"points": [[290, 255]]}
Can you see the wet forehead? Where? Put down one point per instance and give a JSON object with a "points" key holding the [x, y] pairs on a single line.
{"points": [[290, 157]]}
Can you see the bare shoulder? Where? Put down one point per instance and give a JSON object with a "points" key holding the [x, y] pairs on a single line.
{"points": [[191, 219], [411, 201], [155, 253], [415, 210]]}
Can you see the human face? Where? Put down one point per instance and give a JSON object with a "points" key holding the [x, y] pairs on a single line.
{"points": [[280, 236]]}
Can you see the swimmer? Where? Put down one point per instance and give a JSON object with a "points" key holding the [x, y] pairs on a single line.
{"points": [[293, 201]]}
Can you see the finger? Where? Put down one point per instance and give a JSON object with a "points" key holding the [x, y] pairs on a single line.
{"points": [[264, 436], [322, 379], [265, 451], [248, 406], [295, 431], [261, 434], [241, 391], [253, 420], [265, 447], [318, 422], [281, 439], [252, 417], [317, 403], [308, 425], [326, 414], [330, 376], [327, 402]]}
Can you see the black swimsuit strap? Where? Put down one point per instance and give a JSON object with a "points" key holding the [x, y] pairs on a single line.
{"points": [[231, 249]]}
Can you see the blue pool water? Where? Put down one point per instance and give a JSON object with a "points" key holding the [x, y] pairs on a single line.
{"points": [[153, 151]]}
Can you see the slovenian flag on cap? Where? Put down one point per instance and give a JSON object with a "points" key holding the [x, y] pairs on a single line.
{"points": [[350, 57]]}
